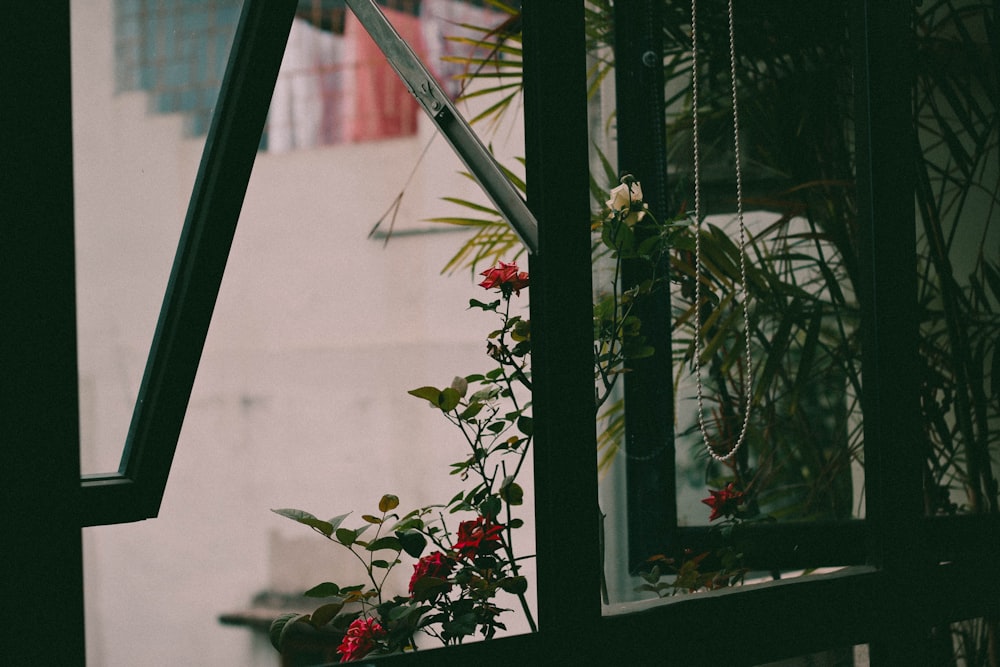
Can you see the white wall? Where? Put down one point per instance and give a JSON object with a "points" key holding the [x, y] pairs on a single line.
{"points": [[300, 399]]}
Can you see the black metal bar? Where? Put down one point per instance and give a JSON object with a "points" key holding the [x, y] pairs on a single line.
{"points": [[450, 122], [885, 185], [566, 513], [649, 397], [41, 556], [110, 499], [219, 189], [753, 624], [779, 546], [882, 44], [773, 621], [803, 545]]}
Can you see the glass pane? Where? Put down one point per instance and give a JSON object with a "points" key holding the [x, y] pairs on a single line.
{"points": [[146, 77], [958, 229], [803, 434], [799, 459], [320, 330]]}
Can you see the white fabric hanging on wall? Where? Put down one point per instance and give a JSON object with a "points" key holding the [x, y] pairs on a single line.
{"points": [[307, 108]]}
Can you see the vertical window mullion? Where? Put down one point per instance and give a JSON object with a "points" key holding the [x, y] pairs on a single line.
{"points": [[882, 46], [39, 416], [562, 322], [649, 399]]}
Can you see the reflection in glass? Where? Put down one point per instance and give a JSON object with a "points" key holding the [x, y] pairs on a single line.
{"points": [[958, 232], [802, 459]]}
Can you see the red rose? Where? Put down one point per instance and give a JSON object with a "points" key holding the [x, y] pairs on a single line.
{"points": [[725, 502], [359, 639], [506, 278], [435, 565], [477, 537]]}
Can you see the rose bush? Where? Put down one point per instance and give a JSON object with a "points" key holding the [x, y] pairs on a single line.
{"points": [[456, 590]]}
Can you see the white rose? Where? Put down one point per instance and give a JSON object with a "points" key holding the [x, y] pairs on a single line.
{"points": [[620, 199], [624, 199]]}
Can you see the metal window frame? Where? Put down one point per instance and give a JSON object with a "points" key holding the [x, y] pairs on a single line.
{"points": [[889, 602], [652, 527]]}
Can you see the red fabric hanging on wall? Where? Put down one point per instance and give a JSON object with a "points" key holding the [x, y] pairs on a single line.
{"points": [[382, 106]]}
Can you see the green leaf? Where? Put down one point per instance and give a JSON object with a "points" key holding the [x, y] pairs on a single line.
{"points": [[515, 523], [352, 589], [449, 399], [476, 303], [412, 542], [484, 395], [347, 537], [371, 519], [326, 613], [337, 520], [471, 411], [490, 506], [515, 585], [325, 590], [469, 204], [385, 542], [462, 625], [384, 564], [430, 394], [307, 519], [281, 625], [401, 612], [525, 425], [388, 503], [428, 587], [409, 523], [511, 492]]}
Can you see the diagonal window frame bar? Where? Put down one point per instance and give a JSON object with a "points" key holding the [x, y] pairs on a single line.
{"points": [[449, 121]]}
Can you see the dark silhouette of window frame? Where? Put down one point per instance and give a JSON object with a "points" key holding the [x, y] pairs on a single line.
{"points": [[911, 574]]}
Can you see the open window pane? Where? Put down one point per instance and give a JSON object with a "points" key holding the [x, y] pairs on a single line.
{"points": [[146, 76], [301, 400]]}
